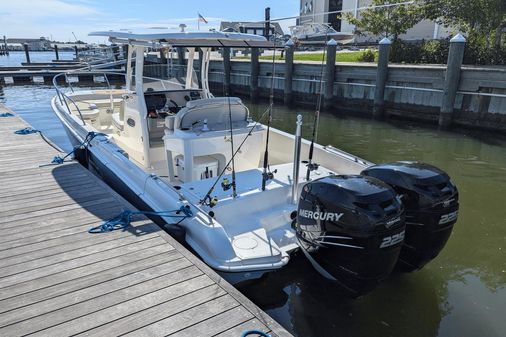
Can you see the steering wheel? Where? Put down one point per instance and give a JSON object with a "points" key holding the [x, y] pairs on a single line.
{"points": [[175, 108]]}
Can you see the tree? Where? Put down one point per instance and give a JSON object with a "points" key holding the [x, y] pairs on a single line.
{"points": [[483, 20], [387, 21]]}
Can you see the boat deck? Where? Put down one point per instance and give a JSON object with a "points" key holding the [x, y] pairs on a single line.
{"points": [[56, 279]]}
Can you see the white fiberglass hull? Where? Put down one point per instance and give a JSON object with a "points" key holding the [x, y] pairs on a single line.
{"points": [[257, 241]]}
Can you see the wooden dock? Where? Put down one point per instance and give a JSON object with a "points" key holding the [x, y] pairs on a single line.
{"points": [[56, 279]]}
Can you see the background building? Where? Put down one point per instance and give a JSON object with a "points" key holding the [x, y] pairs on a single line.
{"points": [[33, 44], [310, 9]]}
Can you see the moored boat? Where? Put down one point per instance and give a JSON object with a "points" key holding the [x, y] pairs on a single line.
{"points": [[254, 194]]}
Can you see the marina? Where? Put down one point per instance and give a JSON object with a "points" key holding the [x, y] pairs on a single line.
{"points": [[58, 279], [342, 179]]}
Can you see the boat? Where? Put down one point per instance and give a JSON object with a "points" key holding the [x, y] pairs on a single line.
{"points": [[318, 33], [246, 194]]}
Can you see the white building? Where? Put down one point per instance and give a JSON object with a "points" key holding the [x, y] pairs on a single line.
{"points": [[310, 9]]}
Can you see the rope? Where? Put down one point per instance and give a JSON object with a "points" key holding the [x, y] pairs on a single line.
{"points": [[89, 137], [255, 332], [29, 130], [124, 218], [26, 131], [6, 114]]}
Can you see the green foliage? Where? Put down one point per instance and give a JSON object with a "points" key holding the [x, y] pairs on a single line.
{"points": [[436, 52], [354, 56], [367, 56], [386, 21], [481, 19]]}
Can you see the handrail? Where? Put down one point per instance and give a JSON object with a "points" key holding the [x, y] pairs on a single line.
{"points": [[75, 104]]}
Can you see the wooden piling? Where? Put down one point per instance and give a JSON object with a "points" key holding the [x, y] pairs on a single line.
{"points": [[381, 78], [226, 70], [77, 53], [330, 70], [56, 52], [27, 53], [452, 78], [255, 70], [289, 49]]}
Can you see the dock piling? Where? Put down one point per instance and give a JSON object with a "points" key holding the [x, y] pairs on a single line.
{"points": [[452, 78], [381, 78], [56, 52], [289, 49], [255, 70], [330, 70], [27, 53]]}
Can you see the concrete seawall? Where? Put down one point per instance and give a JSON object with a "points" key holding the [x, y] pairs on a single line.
{"points": [[412, 91]]}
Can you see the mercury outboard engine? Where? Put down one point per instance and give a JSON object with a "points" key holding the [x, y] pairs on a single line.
{"points": [[351, 228], [431, 206]]}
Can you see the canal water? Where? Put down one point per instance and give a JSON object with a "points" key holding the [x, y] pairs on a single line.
{"points": [[461, 293]]}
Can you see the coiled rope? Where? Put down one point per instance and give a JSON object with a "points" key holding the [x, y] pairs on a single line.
{"points": [[124, 218], [6, 114]]}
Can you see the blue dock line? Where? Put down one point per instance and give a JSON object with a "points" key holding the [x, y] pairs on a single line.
{"points": [[255, 332], [123, 220], [6, 114], [89, 137], [26, 131], [29, 131]]}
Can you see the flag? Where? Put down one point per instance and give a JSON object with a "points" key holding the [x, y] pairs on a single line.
{"points": [[202, 19]]}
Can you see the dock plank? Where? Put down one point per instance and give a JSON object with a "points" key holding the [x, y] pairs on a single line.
{"points": [[56, 279]]}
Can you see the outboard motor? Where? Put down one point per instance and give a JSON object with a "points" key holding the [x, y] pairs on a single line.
{"points": [[431, 206], [351, 228]]}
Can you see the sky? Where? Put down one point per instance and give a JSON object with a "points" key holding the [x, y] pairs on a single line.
{"points": [[57, 19]]}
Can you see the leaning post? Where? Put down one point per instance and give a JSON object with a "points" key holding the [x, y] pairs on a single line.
{"points": [[330, 70], [255, 70], [27, 53], [452, 78], [289, 50], [226, 69], [381, 78]]}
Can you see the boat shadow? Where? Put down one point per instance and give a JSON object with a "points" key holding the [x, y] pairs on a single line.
{"points": [[93, 202], [309, 305]]}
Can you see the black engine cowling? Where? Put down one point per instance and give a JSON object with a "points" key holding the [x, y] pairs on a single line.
{"points": [[352, 229], [431, 206]]}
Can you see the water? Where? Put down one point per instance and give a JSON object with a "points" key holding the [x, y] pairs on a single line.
{"points": [[15, 58], [461, 293]]}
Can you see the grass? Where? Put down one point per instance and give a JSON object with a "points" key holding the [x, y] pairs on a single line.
{"points": [[352, 56]]}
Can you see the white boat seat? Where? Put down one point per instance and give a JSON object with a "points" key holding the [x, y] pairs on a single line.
{"points": [[215, 110], [88, 111]]}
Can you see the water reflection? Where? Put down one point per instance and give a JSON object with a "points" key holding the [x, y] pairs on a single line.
{"points": [[312, 306], [440, 300]]}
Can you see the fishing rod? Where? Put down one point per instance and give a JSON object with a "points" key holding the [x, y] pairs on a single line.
{"points": [[310, 165], [266, 174], [211, 189], [234, 189]]}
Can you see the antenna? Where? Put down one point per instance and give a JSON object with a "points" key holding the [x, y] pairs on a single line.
{"points": [[74, 36]]}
